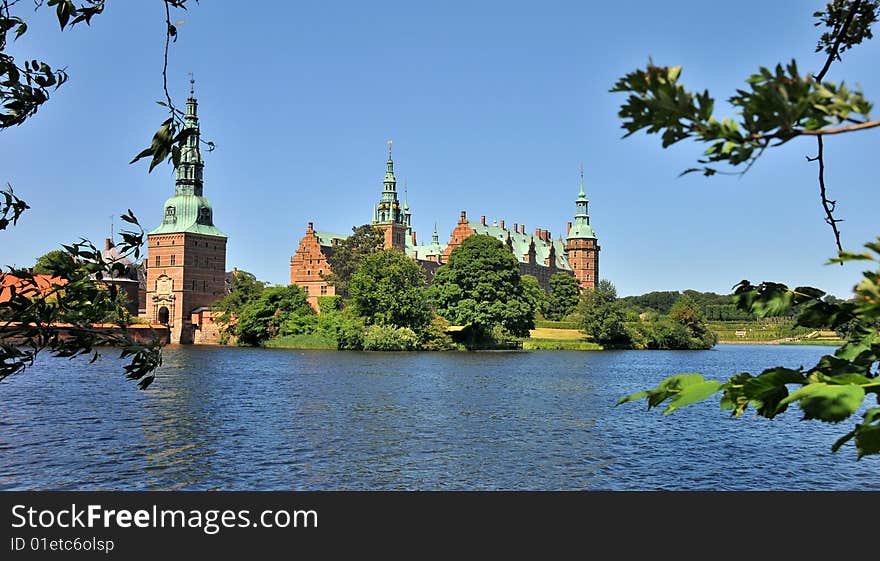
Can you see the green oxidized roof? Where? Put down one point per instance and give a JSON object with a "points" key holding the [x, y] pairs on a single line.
{"points": [[188, 210], [190, 213], [326, 238], [519, 242], [581, 228]]}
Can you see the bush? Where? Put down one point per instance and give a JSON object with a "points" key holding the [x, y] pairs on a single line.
{"points": [[350, 334], [390, 338], [434, 336]]}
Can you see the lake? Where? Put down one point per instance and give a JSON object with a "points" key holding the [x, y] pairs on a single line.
{"points": [[260, 419]]}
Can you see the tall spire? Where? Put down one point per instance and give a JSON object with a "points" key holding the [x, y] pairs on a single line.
{"points": [[188, 210], [435, 238], [581, 227], [190, 168], [388, 209]]}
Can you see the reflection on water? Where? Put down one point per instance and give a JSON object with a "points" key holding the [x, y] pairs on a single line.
{"points": [[229, 418]]}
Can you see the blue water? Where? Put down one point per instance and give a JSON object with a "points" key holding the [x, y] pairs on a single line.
{"points": [[254, 419]]}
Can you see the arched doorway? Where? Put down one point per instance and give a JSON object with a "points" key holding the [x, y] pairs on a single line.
{"points": [[163, 315]]}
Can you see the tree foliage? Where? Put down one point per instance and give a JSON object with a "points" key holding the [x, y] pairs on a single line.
{"points": [[534, 293], [480, 287], [832, 390], [49, 263], [602, 316], [388, 288], [780, 107], [32, 312], [776, 106], [346, 257], [275, 309], [563, 298]]}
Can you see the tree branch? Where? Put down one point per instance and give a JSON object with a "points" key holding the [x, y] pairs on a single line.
{"points": [[827, 204], [833, 54]]}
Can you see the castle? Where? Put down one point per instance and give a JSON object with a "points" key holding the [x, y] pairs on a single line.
{"points": [[186, 254], [538, 254]]}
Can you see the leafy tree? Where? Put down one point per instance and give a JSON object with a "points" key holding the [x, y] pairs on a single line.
{"points": [[244, 289], [346, 257], [266, 316], [563, 298], [389, 289], [55, 260], [603, 317], [686, 313], [534, 293], [480, 287], [779, 107]]}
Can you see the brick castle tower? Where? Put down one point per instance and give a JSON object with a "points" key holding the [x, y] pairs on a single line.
{"points": [[388, 215], [582, 247], [186, 254]]}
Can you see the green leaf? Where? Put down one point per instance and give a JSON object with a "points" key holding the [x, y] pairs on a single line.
{"points": [[829, 403], [631, 397], [868, 440], [768, 390], [843, 440], [692, 394]]}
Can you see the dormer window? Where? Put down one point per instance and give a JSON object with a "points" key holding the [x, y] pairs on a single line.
{"points": [[170, 215], [204, 216]]}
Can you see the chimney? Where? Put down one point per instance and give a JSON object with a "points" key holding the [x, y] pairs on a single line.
{"points": [[311, 228], [523, 227], [414, 238], [483, 220], [567, 232], [463, 218], [516, 227], [502, 223], [549, 235], [538, 233], [108, 243]]}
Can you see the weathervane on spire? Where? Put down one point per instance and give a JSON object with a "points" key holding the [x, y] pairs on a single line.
{"points": [[192, 84], [389, 149], [581, 169]]}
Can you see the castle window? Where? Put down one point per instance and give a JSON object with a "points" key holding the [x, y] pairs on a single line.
{"points": [[172, 259], [157, 261], [309, 272], [194, 284], [323, 290], [204, 217], [204, 286]]}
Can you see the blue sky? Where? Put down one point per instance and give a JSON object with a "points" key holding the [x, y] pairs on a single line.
{"points": [[492, 107]]}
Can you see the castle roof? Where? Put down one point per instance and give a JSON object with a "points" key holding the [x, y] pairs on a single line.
{"points": [[520, 241]]}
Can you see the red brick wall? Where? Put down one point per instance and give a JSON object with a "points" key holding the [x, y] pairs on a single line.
{"points": [[583, 256], [196, 266], [307, 265]]}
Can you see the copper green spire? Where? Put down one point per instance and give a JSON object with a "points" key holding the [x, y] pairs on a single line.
{"points": [[581, 227], [388, 210], [189, 171], [188, 210]]}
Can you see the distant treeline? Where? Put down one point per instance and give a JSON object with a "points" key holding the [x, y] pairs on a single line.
{"points": [[715, 307]]}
